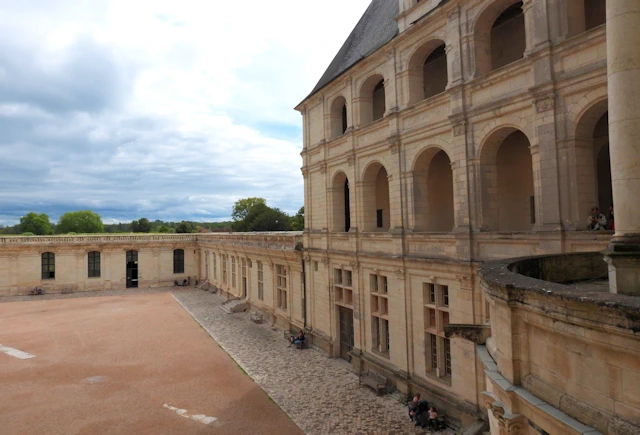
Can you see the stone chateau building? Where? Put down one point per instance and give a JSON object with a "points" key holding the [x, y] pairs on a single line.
{"points": [[447, 141]]}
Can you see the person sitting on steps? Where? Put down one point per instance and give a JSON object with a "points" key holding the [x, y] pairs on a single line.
{"points": [[298, 339], [412, 406], [432, 423]]}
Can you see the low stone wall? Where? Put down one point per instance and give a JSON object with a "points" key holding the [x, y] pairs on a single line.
{"points": [[567, 359], [564, 268]]}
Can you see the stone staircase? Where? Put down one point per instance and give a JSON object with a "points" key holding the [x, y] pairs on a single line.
{"points": [[234, 306]]}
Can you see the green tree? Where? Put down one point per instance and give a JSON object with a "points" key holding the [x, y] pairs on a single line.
{"points": [[141, 226], [297, 222], [185, 227], [36, 224], [163, 229], [242, 207], [84, 221]]}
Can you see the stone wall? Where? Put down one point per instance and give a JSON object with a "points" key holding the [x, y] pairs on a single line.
{"points": [[566, 356]]}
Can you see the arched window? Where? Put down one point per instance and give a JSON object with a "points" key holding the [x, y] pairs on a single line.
{"points": [[508, 198], [593, 166], [93, 259], [372, 99], [595, 13], [433, 192], [178, 261], [499, 36], [338, 120], [48, 260], [428, 71], [584, 15], [375, 193], [341, 203]]}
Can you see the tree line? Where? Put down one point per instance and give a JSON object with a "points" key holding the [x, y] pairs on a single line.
{"points": [[249, 215]]}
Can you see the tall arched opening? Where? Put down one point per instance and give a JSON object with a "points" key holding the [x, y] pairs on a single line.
{"points": [[375, 195], [433, 192], [508, 196]]}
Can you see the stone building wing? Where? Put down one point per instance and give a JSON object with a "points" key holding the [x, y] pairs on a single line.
{"points": [[376, 27]]}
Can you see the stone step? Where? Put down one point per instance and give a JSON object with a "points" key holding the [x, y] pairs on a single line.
{"points": [[234, 306]]}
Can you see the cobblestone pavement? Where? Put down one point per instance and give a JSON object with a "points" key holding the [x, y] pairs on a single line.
{"points": [[320, 394]]}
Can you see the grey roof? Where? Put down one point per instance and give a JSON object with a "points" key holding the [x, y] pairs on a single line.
{"points": [[376, 27]]}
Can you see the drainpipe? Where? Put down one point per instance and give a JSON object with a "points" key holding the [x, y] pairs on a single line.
{"points": [[304, 293]]}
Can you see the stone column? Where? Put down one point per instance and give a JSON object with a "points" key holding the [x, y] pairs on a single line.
{"points": [[623, 69]]}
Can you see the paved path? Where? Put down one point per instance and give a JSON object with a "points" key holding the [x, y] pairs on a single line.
{"points": [[318, 393]]}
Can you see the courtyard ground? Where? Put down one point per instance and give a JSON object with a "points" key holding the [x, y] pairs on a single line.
{"points": [[134, 364], [151, 353]]}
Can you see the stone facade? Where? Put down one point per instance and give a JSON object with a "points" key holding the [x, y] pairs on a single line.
{"points": [[479, 132]]}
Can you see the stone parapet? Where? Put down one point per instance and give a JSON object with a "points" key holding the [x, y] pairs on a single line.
{"points": [[573, 347]]}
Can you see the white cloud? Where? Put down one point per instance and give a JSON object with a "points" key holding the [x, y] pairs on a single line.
{"points": [[164, 109]]}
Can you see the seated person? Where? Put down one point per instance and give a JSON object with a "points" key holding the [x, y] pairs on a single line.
{"points": [[298, 339], [596, 220], [412, 406], [421, 415], [433, 415]]}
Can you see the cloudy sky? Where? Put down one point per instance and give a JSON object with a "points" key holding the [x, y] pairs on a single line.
{"points": [[168, 110]]}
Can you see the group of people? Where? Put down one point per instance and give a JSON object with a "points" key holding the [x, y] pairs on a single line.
{"points": [[422, 414], [597, 221], [297, 340]]}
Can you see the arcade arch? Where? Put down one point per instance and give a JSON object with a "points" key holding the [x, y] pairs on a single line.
{"points": [[433, 191]]}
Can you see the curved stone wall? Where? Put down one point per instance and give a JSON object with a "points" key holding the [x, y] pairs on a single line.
{"points": [[568, 355]]}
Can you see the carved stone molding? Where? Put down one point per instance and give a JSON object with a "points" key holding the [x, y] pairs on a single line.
{"points": [[508, 424], [347, 81], [354, 265], [323, 169], [306, 257], [399, 273], [351, 159], [545, 103], [459, 129], [325, 260], [305, 172]]}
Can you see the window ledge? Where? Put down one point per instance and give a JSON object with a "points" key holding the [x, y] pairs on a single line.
{"points": [[446, 380], [380, 354]]}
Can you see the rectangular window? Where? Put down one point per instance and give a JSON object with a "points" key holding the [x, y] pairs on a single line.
{"points": [[178, 261], [215, 267], [94, 264], [260, 281], [315, 266], [433, 344], [431, 293], [337, 275], [379, 312], [379, 218], [233, 272], [436, 317], [48, 265], [281, 285], [224, 268], [447, 357], [348, 278]]}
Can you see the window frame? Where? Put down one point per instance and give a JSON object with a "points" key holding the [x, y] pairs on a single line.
{"points": [[48, 259], [178, 261], [94, 264]]}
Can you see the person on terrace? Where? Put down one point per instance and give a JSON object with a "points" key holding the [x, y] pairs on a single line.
{"points": [[596, 220]]}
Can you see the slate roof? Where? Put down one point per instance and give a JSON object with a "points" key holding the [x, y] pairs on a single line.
{"points": [[376, 27]]}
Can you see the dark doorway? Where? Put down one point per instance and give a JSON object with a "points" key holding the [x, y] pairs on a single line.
{"points": [[346, 332], [347, 207], [132, 269], [244, 287]]}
